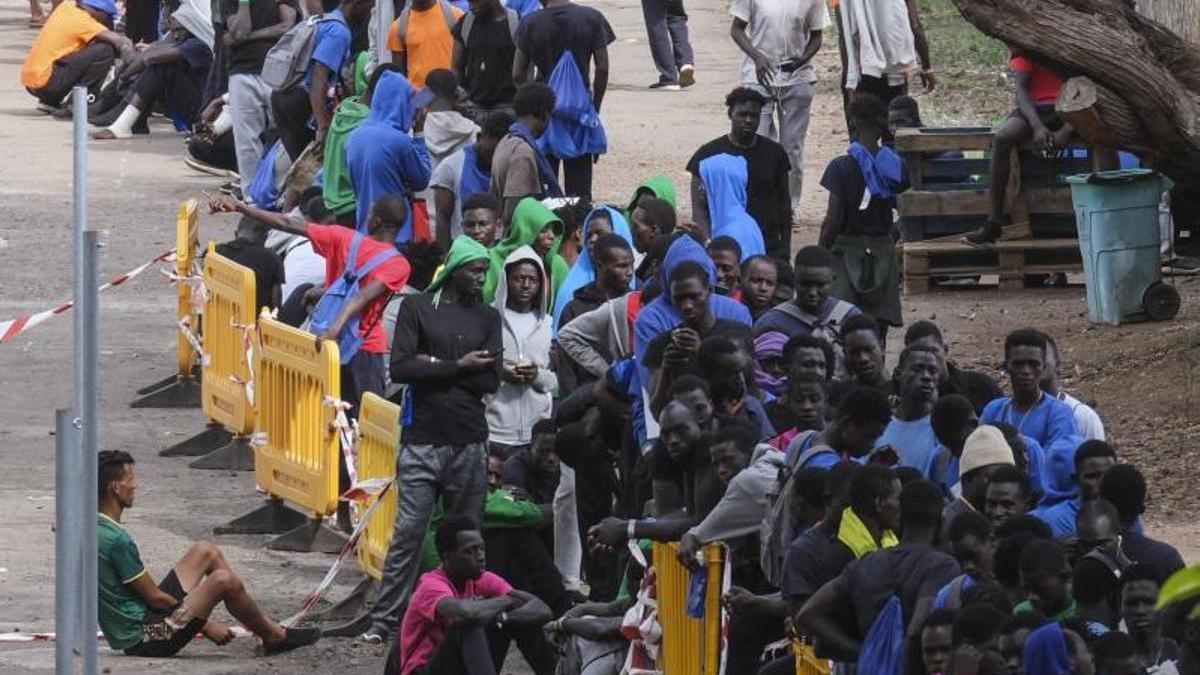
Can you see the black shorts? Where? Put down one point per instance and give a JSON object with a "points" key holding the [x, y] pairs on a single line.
{"points": [[1046, 113], [165, 633]]}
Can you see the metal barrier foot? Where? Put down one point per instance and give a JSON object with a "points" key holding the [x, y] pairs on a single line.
{"points": [[237, 455], [353, 607], [353, 628], [311, 537], [213, 437], [174, 392], [270, 518]]}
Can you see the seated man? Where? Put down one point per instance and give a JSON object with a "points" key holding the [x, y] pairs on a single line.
{"points": [[145, 619], [863, 359], [813, 311], [1035, 119], [171, 72], [910, 432], [481, 218], [801, 409], [463, 174], [757, 283], [77, 46], [953, 419], [461, 618]]}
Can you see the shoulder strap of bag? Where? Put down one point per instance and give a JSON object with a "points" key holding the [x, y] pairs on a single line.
{"points": [[840, 309], [376, 261], [352, 255], [406, 13], [513, 21], [467, 22]]}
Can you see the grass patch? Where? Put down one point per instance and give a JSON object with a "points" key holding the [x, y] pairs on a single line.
{"points": [[972, 70]]}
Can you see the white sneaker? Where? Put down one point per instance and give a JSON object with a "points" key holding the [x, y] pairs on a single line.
{"points": [[687, 75]]}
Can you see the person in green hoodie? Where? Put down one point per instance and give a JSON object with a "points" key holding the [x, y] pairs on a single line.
{"points": [[353, 111], [659, 186], [535, 225]]}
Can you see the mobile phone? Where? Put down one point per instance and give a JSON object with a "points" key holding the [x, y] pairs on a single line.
{"points": [[494, 353], [790, 66]]}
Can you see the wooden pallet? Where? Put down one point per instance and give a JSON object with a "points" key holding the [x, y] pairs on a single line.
{"points": [[950, 173], [1012, 260]]}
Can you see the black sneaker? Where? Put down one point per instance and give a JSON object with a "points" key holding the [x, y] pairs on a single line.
{"points": [[984, 236], [293, 638], [664, 85]]}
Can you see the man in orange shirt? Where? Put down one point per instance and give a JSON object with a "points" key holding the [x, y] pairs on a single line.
{"points": [[75, 47], [425, 43]]}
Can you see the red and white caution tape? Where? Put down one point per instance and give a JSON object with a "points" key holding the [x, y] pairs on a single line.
{"points": [[347, 430], [185, 327], [317, 593], [14, 327], [249, 331], [360, 492]]}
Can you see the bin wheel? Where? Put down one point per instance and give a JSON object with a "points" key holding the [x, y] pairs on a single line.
{"points": [[1160, 301]]}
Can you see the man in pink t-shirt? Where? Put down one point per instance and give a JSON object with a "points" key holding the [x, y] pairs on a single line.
{"points": [[459, 614]]}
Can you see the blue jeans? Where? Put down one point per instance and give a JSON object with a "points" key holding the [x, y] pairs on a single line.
{"points": [[666, 28]]}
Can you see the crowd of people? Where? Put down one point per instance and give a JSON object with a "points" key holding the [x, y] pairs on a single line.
{"points": [[578, 378]]}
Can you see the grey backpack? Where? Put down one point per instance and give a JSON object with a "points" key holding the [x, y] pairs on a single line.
{"points": [[287, 62], [469, 20]]}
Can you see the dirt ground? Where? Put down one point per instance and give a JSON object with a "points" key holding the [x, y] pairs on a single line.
{"points": [[1141, 377]]}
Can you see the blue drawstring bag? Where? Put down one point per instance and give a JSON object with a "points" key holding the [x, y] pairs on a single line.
{"points": [[339, 293], [883, 649], [697, 589], [575, 128], [267, 185]]}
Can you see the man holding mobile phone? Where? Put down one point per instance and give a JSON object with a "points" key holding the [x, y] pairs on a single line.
{"points": [[778, 39], [446, 348]]}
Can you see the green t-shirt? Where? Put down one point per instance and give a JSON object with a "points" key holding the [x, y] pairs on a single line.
{"points": [[121, 611], [1067, 613]]}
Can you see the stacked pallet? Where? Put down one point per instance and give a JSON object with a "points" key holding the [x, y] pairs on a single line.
{"points": [[949, 170]]}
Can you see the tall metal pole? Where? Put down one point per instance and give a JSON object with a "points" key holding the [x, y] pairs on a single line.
{"points": [[68, 507], [85, 384]]}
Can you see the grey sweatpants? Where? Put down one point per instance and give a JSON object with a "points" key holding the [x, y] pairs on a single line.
{"points": [[785, 119], [250, 109], [455, 473]]}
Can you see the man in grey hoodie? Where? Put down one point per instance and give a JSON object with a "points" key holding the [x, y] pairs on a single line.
{"points": [[526, 381]]}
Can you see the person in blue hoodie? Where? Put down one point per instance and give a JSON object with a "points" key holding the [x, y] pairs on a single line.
{"points": [[599, 221], [1036, 414], [382, 156]]}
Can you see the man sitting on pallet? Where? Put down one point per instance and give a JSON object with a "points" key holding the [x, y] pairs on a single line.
{"points": [[1035, 119]]}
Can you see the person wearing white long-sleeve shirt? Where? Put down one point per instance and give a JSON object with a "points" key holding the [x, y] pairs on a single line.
{"points": [[1091, 428]]}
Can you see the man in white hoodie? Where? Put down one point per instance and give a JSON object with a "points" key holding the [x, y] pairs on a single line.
{"points": [[526, 381]]}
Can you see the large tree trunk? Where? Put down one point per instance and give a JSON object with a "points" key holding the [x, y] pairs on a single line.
{"points": [[1142, 86], [1181, 16]]}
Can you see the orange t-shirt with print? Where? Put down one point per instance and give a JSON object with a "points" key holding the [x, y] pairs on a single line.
{"points": [[68, 30], [428, 44]]}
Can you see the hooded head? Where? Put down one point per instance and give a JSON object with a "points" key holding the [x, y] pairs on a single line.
{"points": [[583, 272], [541, 299], [529, 219], [656, 186], [463, 251], [392, 102], [684, 248], [196, 17]]}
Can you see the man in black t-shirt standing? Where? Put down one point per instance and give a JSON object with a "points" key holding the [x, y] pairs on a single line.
{"points": [[251, 29], [541, 40], [484, 49], [768, 199]]}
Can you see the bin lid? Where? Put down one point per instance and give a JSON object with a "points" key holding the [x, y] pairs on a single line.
{"points": [[1120, 177]]}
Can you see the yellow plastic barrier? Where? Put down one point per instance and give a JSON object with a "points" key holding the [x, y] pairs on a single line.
{"points": [[230, 305], [379, 429], [297, 461], [807, 662], [187, 243], [689, 646]]}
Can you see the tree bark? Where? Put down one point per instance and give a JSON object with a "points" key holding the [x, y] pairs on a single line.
{"points": [[1142, 92]]}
